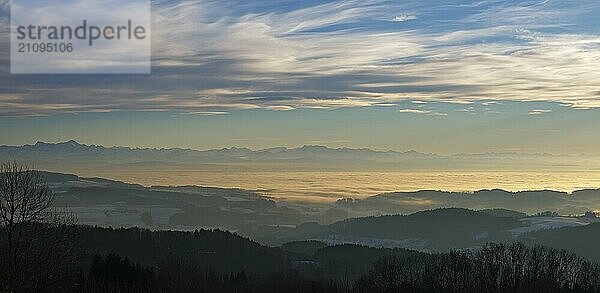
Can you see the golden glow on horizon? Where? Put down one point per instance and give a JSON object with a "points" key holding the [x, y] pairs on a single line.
{"points": [[330, 186]]}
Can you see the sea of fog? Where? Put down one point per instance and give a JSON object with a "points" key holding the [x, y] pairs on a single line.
{"points": [[330, 186]]}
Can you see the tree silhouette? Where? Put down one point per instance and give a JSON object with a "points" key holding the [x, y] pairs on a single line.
{"points": [[493, 268], [33, 234]]}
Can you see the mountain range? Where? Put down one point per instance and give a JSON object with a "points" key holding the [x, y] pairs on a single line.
{"points": [[304, 158]]}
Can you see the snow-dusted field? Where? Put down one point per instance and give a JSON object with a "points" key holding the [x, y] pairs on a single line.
{"points": [[412, 243], [543, 223]]}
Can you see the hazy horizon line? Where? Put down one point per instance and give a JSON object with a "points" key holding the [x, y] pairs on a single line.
{"points": [[294, 147]]}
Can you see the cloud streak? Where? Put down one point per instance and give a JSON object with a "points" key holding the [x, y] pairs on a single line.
{"points": [[539, 112], [421, 111]]}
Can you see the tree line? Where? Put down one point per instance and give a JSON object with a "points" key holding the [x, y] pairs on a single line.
{"points": [[495, 268]]}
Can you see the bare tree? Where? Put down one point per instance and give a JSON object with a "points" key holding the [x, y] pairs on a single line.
{"points": [[34, 233]]}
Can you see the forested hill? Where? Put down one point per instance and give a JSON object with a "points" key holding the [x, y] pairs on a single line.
{"points": [[214, 250], [432, 230], [582, 240], [138, 260]]}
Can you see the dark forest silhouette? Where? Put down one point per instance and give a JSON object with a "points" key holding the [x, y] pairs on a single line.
{"points": [[229, 263]]}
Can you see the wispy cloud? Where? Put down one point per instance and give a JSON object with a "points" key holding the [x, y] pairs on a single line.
{"points": [[539, 112], [420, 111], [215, 113], [404, 17], [280, 108]]}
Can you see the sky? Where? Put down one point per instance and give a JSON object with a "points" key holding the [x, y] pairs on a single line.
{"points": [[432, 76]]}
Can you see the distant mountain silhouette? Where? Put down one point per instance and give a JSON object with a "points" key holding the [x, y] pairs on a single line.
{"points": [[307, 157], [73, 145]]}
